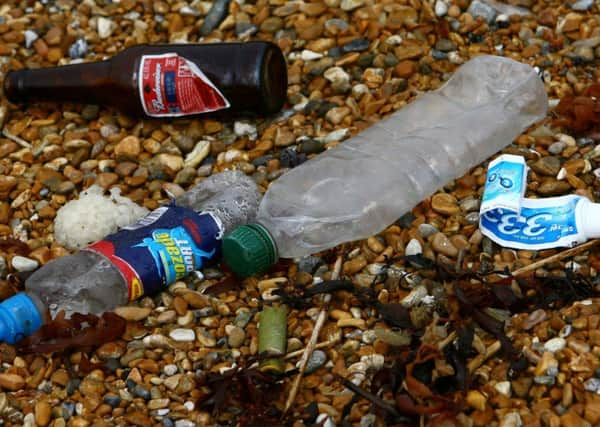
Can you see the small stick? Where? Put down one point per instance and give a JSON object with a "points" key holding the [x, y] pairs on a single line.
{"points": [[556, 257], [451, 337], [297, 353], [15, 138], [478, 360], [313, 338]]}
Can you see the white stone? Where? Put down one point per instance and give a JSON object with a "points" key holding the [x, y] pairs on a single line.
{"points": [[245, 129], [30, 37], [170, 369], [181, 335], [309, 55], [511, 420], [376, 268], [394, 40], [503, 387], [413, 248], [349, 5], [441, 8], [29, 420], [21, 263], [336, 135], [189, 405], [337, 76], [325, 421], [105, 27], [199, 153], [555, 344], [455, 58], [360, 89], [373, 361], [185, 423], [567, 139], [414, 297]]}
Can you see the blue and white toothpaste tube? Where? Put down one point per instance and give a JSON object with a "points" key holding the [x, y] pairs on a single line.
{"points": [[513, 221]]}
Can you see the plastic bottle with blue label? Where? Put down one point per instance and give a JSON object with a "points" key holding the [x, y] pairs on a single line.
{"points": [[140, 259], [362, 185]]}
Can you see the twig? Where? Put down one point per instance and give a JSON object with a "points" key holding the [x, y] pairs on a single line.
{"points": [[15, 138], [297, 353], [556, 257], [478, 360], [375, 400], [451, 337], [313, 338]]}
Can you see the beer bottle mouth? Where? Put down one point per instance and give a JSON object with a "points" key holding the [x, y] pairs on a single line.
{"points": [[13, 86], [274, 80]]}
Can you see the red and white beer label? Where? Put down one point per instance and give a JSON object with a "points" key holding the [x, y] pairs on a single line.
{"points": [[172, 86]]}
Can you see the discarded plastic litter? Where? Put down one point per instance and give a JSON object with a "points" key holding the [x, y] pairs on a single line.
{"points": [[513, 221], [142, 258], [357, 188], [165, 80]]}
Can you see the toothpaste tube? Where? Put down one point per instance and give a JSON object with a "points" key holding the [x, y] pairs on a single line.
{"points": [[513, 221]]}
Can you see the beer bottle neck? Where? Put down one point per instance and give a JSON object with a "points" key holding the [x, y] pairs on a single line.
{"points": [[81, 83]]}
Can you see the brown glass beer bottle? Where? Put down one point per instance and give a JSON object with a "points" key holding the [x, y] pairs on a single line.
{"points": [[165, 80]]}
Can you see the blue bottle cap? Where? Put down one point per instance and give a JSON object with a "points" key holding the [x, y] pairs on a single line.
{"points": [[19, 318]]}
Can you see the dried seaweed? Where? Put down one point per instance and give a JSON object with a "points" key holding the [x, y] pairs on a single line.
{"points": [[375, 400], [580, 113], [395, 314], [484, 320], [328, 287], [12, 245], [80, 331], [251, 391]]}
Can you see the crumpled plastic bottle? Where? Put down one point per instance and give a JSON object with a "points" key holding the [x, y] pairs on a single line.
{"points": [[364, 184]]}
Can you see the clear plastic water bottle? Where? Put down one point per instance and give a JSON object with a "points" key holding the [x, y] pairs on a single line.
{"points": [[142, 258], [366, 183]]}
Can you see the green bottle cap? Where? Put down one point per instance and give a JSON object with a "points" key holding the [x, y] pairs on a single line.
{"points": [[249, 250]]}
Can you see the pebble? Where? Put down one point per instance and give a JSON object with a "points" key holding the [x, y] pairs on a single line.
{"points": [[356, 45], [182, 335], [105, 27], [30, 37], [441, 8], [445, 204], [413, 248], [592, 385], [340, 79], [478, 8], [236, 336], [441, 244], [349, 5], [133, 313], [315, 361], [78, 49], [503, 387], [548, 166], [215, 16], [555, 344], [582, 5], [21, 263], [476, 400]]}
